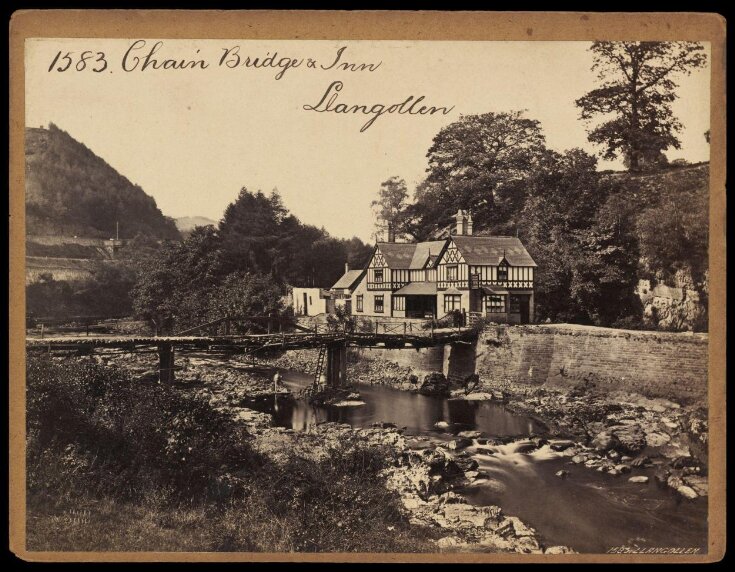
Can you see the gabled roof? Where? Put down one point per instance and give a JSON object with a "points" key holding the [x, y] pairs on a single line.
{"points": [[348, 279], [422, 252], [489, 250], [413, 256]]}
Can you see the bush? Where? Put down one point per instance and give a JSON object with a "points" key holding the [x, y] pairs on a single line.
{"points": [[92, 428], [141, 461]]}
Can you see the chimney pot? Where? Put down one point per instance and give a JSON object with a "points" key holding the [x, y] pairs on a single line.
{"points": [[347, 267]]}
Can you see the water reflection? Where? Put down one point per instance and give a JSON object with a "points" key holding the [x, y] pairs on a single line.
{"points": [[418, 413]]}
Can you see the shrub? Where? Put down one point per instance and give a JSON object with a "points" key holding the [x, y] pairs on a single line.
{"points": [[141, 460], [92, 428]]}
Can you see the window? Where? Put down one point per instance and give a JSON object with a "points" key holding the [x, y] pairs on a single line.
{"points": [[452, 302], [378, 304], [379, 275], [502, 273], [494, 304], [359, 303], [451, 273], [399, 303], [515, 304]]}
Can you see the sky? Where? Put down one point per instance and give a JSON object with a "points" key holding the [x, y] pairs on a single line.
{"points": [[193, 137]]}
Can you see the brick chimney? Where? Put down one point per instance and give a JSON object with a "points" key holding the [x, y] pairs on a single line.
{"points": [[347, 267], [391, 233], [469, 224], [461, 227]]}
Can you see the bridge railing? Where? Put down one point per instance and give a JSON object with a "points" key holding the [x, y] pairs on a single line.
{"points": [[238, 325]]}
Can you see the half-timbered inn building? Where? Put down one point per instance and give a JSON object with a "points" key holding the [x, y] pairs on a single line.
{"points": [[492, 276]]}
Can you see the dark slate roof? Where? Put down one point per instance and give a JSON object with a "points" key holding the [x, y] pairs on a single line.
{"points": [[397, 254], [348, 279], [489, 250], [405, 255]]}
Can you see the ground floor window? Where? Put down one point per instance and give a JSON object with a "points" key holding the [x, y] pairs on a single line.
{"points": [[358, 303], [494, 304], [399, 303], [515, 304], [378, 304], [452, 302]]}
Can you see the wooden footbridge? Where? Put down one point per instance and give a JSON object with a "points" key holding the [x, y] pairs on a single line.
{"points": [[227, 335]]}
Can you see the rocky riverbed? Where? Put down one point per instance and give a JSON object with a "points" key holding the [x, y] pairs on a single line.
{"points": [[623, 435], [425, 474], [617, 433]]}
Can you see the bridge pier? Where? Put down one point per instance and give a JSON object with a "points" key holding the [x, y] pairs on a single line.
{"points": [[336, 367], [166, 363]]}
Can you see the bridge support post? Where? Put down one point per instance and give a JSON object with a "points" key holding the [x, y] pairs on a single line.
{"points": [[336, 369], [165, 363]]}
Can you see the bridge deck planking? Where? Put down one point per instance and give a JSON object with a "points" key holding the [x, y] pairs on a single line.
{"points": [[290, 340]]}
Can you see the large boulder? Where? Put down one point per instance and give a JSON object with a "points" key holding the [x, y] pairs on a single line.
{"points": [[604, 441], [466, 463], [630, 439], [436, 384]]}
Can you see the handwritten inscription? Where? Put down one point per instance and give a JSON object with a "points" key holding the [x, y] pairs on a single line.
{"points": [[409, 106], [144, 56]]}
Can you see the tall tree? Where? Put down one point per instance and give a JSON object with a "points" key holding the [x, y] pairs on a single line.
{"points": [[478, 164], [250, 229], [564, 193], [391, 205], [634, 97], [605, 269]]}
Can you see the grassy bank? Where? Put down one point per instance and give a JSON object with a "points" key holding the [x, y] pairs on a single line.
{"points": [[119, 464]]}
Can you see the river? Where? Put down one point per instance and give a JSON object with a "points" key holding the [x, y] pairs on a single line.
{"points": [[588, 511]]}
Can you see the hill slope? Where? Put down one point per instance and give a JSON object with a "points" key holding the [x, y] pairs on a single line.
{"points": [[71, 191]]}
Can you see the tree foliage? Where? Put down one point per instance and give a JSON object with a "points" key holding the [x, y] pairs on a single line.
{"points": [[575, 227], [390, 206], [243, 267], [633, 100], [478, 164], [105, 293], [678, 240]]}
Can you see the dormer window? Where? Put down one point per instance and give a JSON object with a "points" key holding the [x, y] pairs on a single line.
{"points": [[503, 272]]}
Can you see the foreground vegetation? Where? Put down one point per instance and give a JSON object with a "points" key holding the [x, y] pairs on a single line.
{"points": [[121, 464]]}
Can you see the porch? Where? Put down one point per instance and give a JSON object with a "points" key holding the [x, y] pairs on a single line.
{"points": [[415, 300]]}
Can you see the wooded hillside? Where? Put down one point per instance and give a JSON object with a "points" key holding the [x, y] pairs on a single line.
{"points": [[71, 191]]}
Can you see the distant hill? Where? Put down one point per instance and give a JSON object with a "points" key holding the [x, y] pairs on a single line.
{"points": [[186, 224], [70, 191]]}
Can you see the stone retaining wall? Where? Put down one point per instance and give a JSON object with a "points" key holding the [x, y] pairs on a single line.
{"points": [[654, 364]]}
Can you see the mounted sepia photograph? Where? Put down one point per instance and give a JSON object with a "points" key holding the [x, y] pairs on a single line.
{"points": [[367, 286]]}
